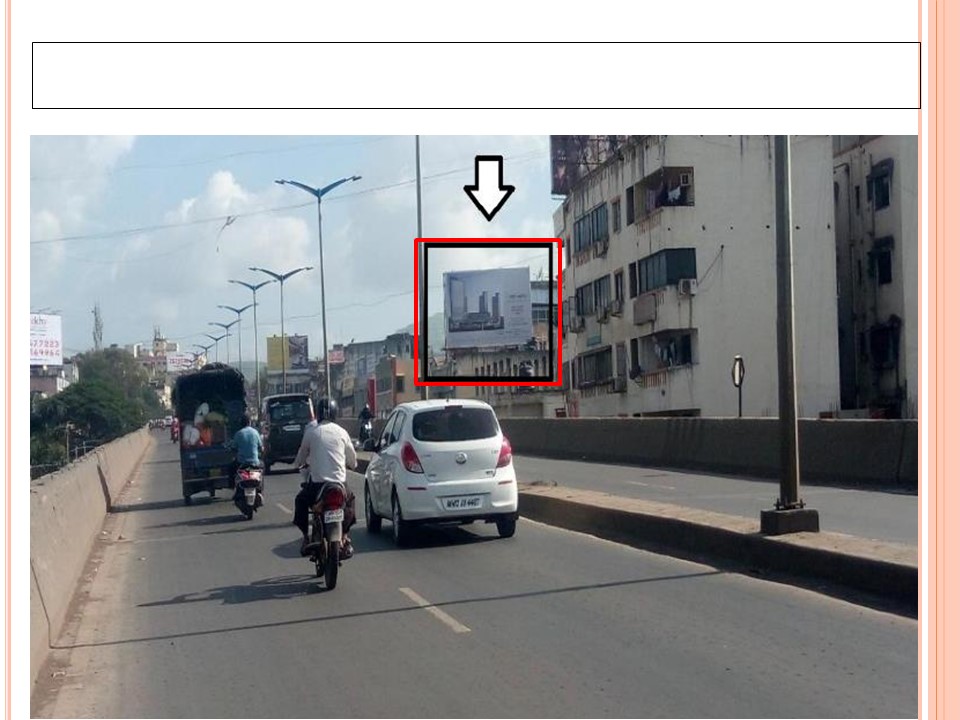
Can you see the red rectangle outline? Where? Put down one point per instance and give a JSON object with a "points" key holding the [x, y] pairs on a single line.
{"points": [[416, 314]]}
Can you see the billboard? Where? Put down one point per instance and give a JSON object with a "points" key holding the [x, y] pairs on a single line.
{"points": [[487, 308], [296, 353], [573, 157], [46, 342], [180, 362], [337, 356]]}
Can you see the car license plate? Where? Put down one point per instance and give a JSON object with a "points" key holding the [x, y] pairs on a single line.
{"points": [[291, 428], [466, 502], [333, 516]]}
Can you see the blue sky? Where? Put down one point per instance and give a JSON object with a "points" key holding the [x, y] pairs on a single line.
{"points": [[134, 224]]}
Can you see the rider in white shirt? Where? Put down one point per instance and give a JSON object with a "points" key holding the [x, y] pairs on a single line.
{"points": [[328, 450]]}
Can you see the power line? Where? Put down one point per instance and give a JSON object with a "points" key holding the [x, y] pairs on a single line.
{"points": [[222, 218]]}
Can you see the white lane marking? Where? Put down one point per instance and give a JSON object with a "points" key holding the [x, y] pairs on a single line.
{"points": [[284, 508], [664, 487], [439, 614]]}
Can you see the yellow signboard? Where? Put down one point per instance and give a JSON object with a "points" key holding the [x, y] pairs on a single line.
{"points": [[275, 359]]}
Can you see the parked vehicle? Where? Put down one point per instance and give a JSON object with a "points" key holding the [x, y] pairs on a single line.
{"points": [[283, 420], [441, 461], [248, 490], [326, 532], [210, 403]]}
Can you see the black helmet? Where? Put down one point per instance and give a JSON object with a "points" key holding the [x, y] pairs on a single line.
{"points": [[326, 410]]}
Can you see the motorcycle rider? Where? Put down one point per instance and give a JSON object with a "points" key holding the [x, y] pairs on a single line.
{"points": [[327, 449], [249, 445], [365, 415]]}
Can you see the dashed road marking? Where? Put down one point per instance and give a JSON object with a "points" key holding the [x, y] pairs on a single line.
{"points": [[284, 508], [439, 614]]}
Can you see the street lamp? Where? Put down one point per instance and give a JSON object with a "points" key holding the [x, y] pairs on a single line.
{"points": [[318, 193], [282, 278], [256, 336], [238, 311], [226, 328], [204, 348], [216, 341]]}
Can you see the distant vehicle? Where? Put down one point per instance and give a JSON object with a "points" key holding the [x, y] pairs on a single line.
{"points": [[168, 421], [283, 419], [441, 461], [210, 404]]}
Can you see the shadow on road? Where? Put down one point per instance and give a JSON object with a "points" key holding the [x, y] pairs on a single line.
{"points": [[294, 585], [159, 505], [270, 589], [203, 522]]}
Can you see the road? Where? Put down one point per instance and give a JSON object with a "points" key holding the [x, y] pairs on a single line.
{"points": [[195, 612], [876, 514]]}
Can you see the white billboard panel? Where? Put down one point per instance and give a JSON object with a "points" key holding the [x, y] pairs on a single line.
{"points": [[46, 342], [487, 308], [179, 362]]}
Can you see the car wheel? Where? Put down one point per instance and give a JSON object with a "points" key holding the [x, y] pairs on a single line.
{"points": [[401, 529], [507, 527], [374, 521]]}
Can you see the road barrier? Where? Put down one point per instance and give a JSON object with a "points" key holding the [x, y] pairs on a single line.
{"points": [[67, 511], [841, 452]]}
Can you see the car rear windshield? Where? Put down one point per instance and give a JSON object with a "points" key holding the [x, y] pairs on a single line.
{"points": [[450, 424], [295, 411]]}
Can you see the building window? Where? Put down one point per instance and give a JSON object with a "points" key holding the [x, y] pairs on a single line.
{"points": [[591, 228], [631, 208], [666, 350], [596, 367], [885, 344], [601, 293], [615, 210], [878, 184], [881, 260], [618, 285], [667, 187], [634, 287], [667, 267], [635, 355], [856, 196]]}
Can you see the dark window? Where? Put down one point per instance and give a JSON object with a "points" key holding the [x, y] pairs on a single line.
{"points": [[630, 206], [615, 209], [633, 280], [884, 345], [618, 285], [635, 353], [454, 423], [293, 411], [596, 367], [856, 195], [884, 267], [399, 384], [878, 184], [667, 267]]}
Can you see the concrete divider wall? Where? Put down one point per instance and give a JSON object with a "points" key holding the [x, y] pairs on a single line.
{"points": [[882, 452], [67, 510]]}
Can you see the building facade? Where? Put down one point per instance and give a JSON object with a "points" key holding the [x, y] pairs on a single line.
{"points": [[670, 272], [876, 199]]}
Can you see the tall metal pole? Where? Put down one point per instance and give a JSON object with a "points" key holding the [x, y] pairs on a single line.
{"points": [[789, 463], [425, 361], [256, 349], [323, 300], [283, 342]]}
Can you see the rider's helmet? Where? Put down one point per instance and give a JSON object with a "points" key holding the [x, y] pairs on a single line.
{"points": [[366, 407], [326, 410]]}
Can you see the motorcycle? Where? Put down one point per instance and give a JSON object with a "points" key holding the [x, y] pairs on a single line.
{"points": [[249, 488], [366, 432], [174, 433], [326, 532]]}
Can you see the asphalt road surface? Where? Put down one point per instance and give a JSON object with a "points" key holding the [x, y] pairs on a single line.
{"points": [[877, 514], [195, 612]]}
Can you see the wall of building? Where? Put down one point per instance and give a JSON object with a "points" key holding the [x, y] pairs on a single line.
{"points": [[865, 301], [731, 226]]}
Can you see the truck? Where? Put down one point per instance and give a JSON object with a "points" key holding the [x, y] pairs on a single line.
{"points": [[210, 404]]}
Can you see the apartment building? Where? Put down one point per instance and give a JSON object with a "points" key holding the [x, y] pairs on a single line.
{"points": [[670, 273], [875, 196]]}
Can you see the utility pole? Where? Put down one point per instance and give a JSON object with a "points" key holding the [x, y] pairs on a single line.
{"points": [[97, 328], [425, 361], [789, 514]]}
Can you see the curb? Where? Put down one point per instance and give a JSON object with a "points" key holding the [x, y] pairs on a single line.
{"points": [[883, 569]]}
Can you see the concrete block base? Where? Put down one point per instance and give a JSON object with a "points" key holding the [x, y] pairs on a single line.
{"points": [[781, 522]]}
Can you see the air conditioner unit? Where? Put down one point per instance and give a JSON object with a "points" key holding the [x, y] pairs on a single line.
{"points": [[687, 286], [616, 307], [600, 248], [684, 179], [603, 314]]}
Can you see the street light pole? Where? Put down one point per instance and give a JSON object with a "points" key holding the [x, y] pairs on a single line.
{"points": [[216, 341], [282, 278], [256, 335], [318, 193], [226, 328], [238, 311]]}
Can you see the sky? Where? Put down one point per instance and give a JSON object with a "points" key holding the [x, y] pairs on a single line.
{"points": [[140, 226]]}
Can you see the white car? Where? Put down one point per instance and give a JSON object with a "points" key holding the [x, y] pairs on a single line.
{"points": [[441, 461]]}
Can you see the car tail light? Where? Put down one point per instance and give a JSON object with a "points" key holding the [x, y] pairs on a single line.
{"points": [[506, 454], [410, 460], [333, 498]]}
